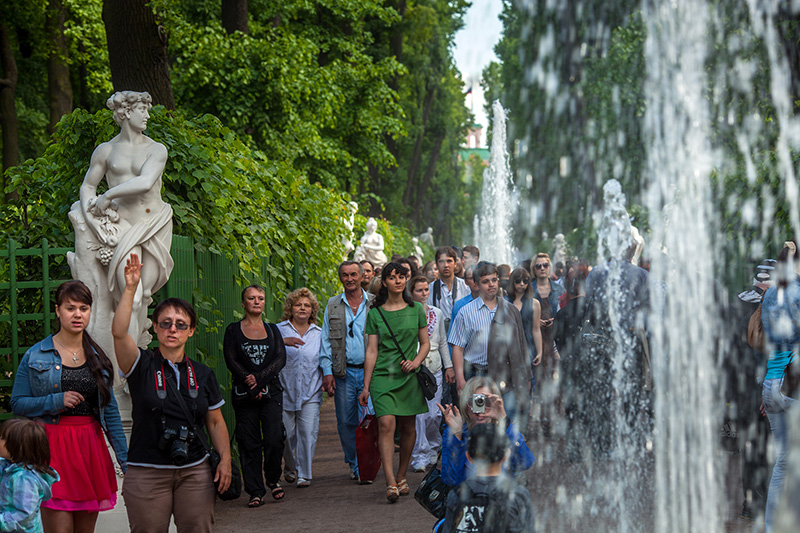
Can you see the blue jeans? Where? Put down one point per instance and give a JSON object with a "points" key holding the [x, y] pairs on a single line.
{"points": [[346, 400], [776, 405]]}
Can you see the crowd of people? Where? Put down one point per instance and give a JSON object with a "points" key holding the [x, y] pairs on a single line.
{"points": [[508, 348]]}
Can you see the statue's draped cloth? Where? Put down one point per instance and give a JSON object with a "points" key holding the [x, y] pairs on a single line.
{"points": [[153, 234]]}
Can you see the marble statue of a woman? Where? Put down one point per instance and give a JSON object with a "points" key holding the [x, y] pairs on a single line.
{"points": [[129, 217], [372, 245]]}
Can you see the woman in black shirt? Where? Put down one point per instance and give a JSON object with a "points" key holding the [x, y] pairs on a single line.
{"points": [[255, 354], [168, 474]]}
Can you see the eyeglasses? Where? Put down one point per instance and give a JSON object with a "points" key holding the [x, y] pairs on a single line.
{"points": [[542, 266], [350, 333], [523, 281], [167, 324]]}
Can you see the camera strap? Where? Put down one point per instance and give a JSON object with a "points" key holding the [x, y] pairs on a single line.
{"points": [[182, 404], [159, 378]]}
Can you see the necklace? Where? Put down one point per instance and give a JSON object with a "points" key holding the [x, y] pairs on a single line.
{"points": [[75, 357], [354, 308]]}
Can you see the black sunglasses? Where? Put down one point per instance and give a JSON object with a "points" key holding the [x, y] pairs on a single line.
{"points": [[522, 281], [350, 333], [167, 324], [542, 266]]}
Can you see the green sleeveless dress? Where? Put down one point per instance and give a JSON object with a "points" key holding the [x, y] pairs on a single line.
{"points": [[394, 392]]}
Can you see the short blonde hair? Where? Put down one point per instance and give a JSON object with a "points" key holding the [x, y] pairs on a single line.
{"points": [[292, 299], [469, 389]]}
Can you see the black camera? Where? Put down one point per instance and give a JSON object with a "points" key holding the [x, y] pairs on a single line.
{"points": [[177, 442]]}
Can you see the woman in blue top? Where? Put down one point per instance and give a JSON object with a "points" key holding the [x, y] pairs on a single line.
{"points": [[780, 316], [455, 467]]}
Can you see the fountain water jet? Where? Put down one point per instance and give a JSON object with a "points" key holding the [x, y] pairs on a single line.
{"points": [[499, 199]]}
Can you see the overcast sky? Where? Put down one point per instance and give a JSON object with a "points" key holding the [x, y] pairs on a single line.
{"points": [[475, 49]]}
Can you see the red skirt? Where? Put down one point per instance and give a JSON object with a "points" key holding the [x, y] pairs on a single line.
{"points": [[79, 454]]}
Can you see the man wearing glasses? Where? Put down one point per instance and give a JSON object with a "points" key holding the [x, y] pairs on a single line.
{"points": [[488, 340], [341, 354]]}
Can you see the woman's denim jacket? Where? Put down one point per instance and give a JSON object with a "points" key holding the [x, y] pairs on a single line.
{"points": [[36, 394]]}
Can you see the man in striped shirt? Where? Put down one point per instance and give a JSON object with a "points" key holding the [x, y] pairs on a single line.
{"points": [[488, 339]]}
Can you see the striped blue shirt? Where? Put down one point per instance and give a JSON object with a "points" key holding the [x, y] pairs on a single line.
{"points": [[470, 330]]}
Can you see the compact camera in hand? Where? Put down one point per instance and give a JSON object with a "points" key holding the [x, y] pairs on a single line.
{"points": [[177, 442], [478, 403]]}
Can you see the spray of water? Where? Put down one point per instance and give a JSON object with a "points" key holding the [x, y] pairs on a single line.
{"points": [[499, 200]]}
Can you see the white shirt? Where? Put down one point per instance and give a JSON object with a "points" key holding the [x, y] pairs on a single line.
{"points": [[439, 355], [301, 378]]}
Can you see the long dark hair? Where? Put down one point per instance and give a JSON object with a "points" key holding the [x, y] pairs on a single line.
{"points": [[511, 288], [383, 292], [96, 358]]}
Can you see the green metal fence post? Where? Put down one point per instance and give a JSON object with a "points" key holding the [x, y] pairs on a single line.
{"points": [[12, 294]]}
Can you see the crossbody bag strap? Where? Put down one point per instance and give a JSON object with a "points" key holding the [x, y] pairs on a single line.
{"points": [[185, 410], [392, 334]]}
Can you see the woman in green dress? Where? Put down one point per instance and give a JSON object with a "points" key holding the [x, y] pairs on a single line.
{"points": [[389, 377]]}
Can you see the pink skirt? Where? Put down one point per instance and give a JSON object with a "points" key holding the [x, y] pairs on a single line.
{"points": [[79, 454]]}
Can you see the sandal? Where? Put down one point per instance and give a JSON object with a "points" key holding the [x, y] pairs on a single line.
{"points": [[392, 493], [277, 491], [290, 476], [303, 483], [255, 501], [403, 488]]}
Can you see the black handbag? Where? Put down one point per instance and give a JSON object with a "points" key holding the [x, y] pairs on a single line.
{"points": [[427, 381], [432, 493], [234, 490]]}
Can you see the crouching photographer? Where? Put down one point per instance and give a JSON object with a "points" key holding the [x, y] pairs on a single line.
{"points": [[175, 401]]}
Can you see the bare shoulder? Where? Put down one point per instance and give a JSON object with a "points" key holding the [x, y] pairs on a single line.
{"points": [[103, 150], [155, 148]]}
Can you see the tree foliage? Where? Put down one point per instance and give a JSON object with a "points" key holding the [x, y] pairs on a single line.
{"points": [[231, 199]]}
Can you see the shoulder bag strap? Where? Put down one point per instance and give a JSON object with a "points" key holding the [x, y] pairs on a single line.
{"points": [[185, 410], [392, 334]]}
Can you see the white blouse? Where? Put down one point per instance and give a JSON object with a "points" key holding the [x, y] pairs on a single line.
{"points": [[301, 378], [440, 353]]}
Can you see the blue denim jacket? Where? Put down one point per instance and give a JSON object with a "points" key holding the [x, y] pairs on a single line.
{"points": [[36, 394]]}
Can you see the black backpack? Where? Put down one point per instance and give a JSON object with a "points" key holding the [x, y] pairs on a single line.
{"points": [[479, 512]]}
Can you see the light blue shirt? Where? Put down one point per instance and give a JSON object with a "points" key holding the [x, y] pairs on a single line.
{"points": [[354, 344], [470, 330]]}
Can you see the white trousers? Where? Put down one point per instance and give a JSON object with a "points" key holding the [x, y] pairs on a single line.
{"points": [[302, 430], [429, 440]]}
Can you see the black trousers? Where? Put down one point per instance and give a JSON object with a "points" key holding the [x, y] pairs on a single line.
{"points": [[260, 435]]}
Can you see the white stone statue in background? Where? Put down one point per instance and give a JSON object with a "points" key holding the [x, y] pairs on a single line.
{"points": [[560, 252], [349, 224], [639, 240], [129, 217], [418, 251], [427, 238], [372, 246]]}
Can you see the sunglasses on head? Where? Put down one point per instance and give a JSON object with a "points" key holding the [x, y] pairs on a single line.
{"points": [[542, 266], [167, 324]]}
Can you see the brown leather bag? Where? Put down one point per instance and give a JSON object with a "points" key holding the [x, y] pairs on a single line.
{"points": [[755, 332]]}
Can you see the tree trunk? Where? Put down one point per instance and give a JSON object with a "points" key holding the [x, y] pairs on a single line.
{"points": [[137, 50], [8, 112], [58, 84], [234, 15], [416, 158], [428, 177]]}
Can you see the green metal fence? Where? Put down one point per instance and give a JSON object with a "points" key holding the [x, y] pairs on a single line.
{"points": [[207, 280]]}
